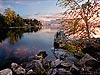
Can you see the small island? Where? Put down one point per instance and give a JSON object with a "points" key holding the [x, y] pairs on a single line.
{"points": [[9, 19]]}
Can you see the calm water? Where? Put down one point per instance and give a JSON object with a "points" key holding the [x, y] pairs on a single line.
{"points": [[14, 47]]}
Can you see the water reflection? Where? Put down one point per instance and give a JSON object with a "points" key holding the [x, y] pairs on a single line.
{"points": [[16, 45], [14, 34]]}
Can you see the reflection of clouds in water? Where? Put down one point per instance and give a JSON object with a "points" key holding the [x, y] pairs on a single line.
{"points": [[19, 52], [22, 51], [29, 45], [4, 46], [3, 43]]}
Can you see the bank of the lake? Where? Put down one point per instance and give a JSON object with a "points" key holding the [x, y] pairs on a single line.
{"points": [[19, 45]]}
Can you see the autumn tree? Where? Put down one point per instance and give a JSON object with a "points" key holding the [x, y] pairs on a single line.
{"points": [[9, 15], [81, 17], [11, 19]]}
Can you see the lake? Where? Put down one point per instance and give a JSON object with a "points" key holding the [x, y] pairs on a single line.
{"points": [[18, 44]]}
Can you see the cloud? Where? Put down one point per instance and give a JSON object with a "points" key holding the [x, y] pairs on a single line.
{"points": [[37, 14], [48, 17], [18, 2], [1, 6], [22, 2]]}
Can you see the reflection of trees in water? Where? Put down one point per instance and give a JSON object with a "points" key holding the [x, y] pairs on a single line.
{"points": [[15, 34], [31, 29], [3, 34]]}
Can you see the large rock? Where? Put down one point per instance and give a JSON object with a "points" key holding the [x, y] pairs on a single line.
{"points": [[56, 63], [30, 72], [86, 58], [52, 71], [93, 64], [14, 66], [62, 71], [35, 64], [60, 54], [58, 71], [67, 64], [20, 70], [74, 67], [17, 69], [6, 72], [29, 66], [38, 64], [42, 54], [71, 59]]}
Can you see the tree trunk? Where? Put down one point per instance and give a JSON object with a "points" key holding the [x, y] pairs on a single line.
{"points": [[87, 30]]}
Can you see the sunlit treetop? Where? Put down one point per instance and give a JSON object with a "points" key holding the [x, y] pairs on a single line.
{"points": [[81, 16]]}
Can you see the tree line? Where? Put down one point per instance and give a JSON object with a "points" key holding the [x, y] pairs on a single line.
{"points": [[10, 19]]}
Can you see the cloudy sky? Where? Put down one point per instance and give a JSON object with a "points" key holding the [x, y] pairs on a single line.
{"points": [[40, 9]]}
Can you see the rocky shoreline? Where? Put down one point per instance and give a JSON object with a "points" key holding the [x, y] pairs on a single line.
{"points": [[65, 63]]}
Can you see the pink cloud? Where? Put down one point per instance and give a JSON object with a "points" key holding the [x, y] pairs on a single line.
{"points": [[1, 6], [50, 17]]}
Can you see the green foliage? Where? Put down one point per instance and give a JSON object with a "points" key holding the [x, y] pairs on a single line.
{"points": [[73, 48], [80, 53], [11, 19], [32, 22], [70, 48], [18, 21]]}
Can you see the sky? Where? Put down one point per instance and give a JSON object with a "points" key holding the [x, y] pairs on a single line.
{"points": [[39, 9]]}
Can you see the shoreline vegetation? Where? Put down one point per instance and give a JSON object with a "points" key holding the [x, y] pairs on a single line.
{"points": [[9, 19], [12, 25]]}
